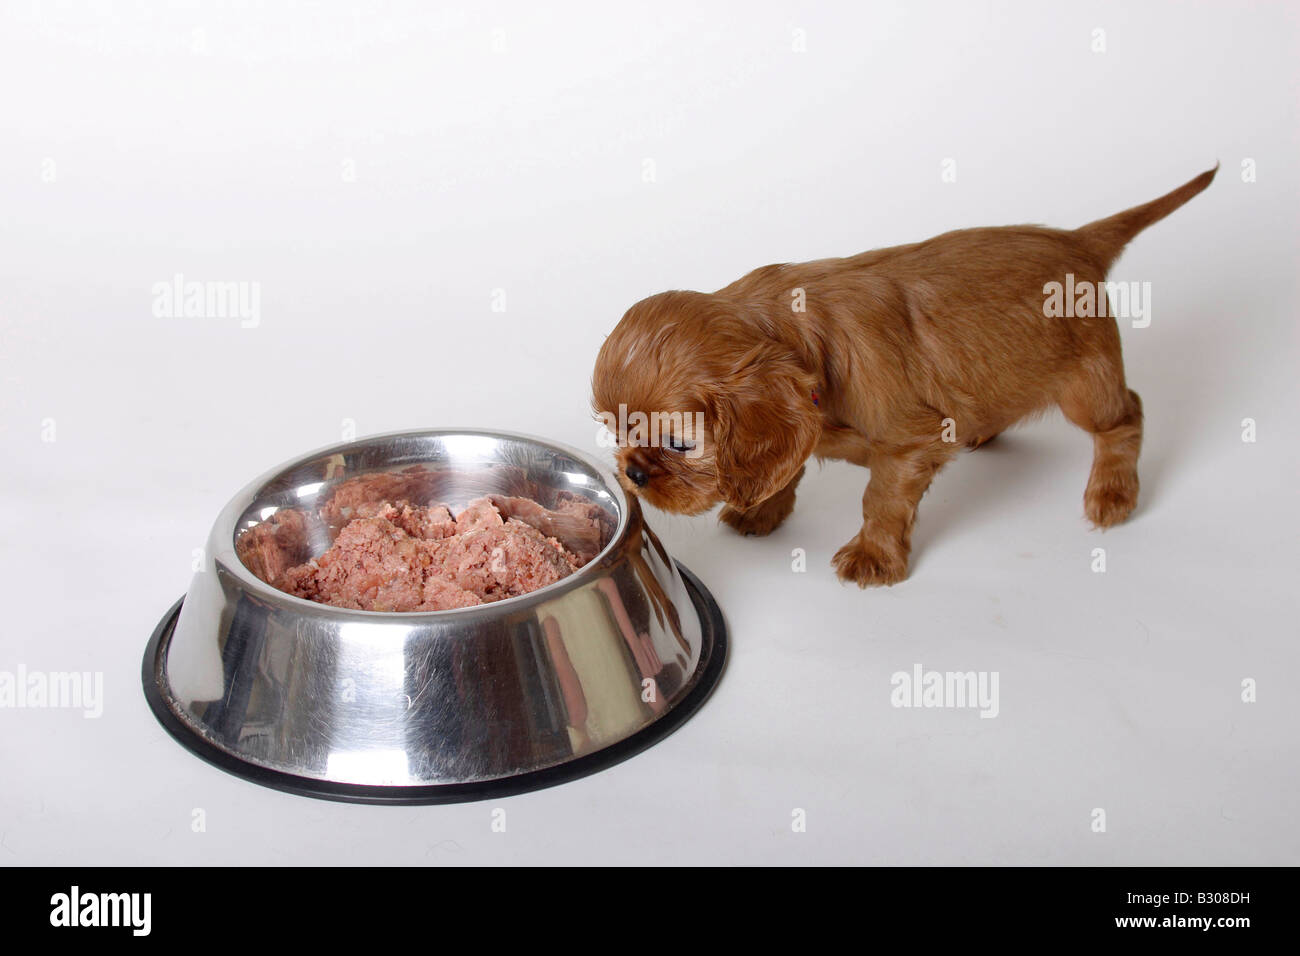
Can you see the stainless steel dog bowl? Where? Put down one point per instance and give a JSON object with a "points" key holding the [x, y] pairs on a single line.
{"points": [[434, 707]]}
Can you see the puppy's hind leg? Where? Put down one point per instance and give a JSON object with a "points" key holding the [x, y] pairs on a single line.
{"points": [[767, 516], [1099, 402]]}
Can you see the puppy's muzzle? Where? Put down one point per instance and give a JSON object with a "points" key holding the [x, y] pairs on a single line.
{"points": [[637, 476]]}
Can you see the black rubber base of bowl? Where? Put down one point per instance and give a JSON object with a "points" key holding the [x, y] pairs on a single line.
{"points": [[713, 657]]}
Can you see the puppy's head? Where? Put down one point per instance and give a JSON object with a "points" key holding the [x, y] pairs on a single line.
{"points": [[706, 403]]}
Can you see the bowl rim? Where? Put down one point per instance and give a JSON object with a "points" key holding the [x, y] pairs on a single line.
{"points": [[227, 560]]}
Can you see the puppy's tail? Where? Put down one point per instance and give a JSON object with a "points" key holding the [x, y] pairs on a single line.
{"points": [[1109, 236]]}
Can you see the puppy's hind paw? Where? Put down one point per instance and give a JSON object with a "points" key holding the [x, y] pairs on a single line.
{"points": [[866, 564], [981, 442]]}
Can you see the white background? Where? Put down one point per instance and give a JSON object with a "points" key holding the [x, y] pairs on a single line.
{"points": [[505, 146]]}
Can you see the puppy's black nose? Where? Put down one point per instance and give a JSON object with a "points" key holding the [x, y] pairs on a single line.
{"points": [[639, 477]]}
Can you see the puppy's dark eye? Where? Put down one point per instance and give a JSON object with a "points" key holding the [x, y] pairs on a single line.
{"points": [[680, 445]]}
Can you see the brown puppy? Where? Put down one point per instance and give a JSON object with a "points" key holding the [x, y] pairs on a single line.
{"points": [[892, 359]]}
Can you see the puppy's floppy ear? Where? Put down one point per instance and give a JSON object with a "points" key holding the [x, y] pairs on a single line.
{"points": [[765, 425]]}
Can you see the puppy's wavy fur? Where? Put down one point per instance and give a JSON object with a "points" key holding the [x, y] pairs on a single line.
{"points": [[899, 358]]}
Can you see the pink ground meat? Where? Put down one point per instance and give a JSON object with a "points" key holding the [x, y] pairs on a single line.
{"points": [[394, 556]]}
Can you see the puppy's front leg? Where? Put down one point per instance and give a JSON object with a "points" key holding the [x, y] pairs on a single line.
{"points": [[879, 552], [765, 517]]}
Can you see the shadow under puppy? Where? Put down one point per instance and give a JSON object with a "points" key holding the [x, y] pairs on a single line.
{"points": [[892, 359]]}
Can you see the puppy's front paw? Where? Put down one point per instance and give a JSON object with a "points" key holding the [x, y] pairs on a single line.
{"points": [[762, 520], [867, 564], [1110, 500]]}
